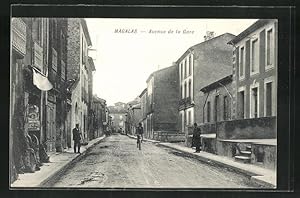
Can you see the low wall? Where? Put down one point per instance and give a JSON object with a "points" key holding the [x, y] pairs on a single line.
{"points": [[268, 155], [261, 154], [254, 128], [168, 136]]}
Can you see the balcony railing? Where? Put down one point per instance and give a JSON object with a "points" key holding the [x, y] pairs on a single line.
{"points": [[19, 36], [38, 56], [185, 102]]}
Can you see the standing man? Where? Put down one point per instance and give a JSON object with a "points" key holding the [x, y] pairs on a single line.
{"points": [[140, 131], [76, 138], [196, 141]]}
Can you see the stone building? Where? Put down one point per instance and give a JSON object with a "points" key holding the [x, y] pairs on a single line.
{"points": [[118, 116], [143, 119], [199, 66], [38, 92], [218, 100], [249, 134], [161, 103], [255, 70], [99, 118], [133, 117], [79, 70]]}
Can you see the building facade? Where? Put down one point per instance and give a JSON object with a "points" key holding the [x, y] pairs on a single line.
{"points": [[161, 102], [118, 116], [218, 101], [99, 118], [255, 70], [199, 66], [79, 70], [143, 119], [133, 117], [38, 92]]}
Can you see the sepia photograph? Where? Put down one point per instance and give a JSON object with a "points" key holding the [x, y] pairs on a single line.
{"points": [[143, 103]]}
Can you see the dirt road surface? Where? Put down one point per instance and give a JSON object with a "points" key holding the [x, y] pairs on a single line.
{"points": [[117, 163]]}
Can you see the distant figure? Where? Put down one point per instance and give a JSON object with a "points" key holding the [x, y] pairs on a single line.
{"points": [[196, 141], [76, 138], [140, 131]]}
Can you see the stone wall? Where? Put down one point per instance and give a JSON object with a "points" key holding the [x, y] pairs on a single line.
{"points": [[168, 136], [255, 128]]}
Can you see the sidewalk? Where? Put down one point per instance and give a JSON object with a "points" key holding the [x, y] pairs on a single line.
{"points": [[258, 174], [58, 162]]}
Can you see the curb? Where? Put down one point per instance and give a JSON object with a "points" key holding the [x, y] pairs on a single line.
{"points": [[50, 180], [253, 176]]}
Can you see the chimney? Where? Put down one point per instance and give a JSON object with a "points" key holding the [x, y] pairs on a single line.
{"points": [[209, 35]]}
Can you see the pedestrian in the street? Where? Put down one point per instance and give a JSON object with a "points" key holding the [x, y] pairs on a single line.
{"points": [[140, 131], [77, 138], [196, 141]]}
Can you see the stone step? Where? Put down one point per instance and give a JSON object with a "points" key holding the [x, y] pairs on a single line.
{"points": [[244, 159], [248, 148], [246, 153]]}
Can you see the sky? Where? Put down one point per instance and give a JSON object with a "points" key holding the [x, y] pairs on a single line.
{"points": [[125, 60]]}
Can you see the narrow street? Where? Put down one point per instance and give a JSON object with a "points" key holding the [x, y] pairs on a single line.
{"points": [[116, 162]]}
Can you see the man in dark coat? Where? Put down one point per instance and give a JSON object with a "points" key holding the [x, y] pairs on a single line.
{"points": [[196, 141], [140, 131], [76, 138]]}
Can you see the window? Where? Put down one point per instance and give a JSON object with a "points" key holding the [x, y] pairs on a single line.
{"points": [[188, 117], [208, 111], [269, 99], [241, 104], [269, 48], [190, 65], [190, 88], [181, 121], [185, 90], [242, 62], [216, 108], [254, 57], [121, 117], [181, 67], [180, 74], [254, 102], [185, 69], [182, 92]]}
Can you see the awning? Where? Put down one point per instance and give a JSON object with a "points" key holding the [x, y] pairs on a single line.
{"points": [[41, 81]]}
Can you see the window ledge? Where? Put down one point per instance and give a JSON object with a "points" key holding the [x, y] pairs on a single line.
{"points": [[269, 67], [254, 73]]}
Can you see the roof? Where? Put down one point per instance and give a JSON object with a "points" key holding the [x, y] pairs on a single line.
{"points": [[86, 31], [199, 44], [143, 92], [136, 106], [157, 71], [218, 83], [259, 23], [97, 99], [91, 63]]}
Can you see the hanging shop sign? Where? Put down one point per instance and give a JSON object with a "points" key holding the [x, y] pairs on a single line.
{"points": [[33, 118]]}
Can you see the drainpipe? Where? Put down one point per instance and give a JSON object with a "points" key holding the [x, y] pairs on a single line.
{"points": [[204, 107]]}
